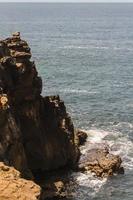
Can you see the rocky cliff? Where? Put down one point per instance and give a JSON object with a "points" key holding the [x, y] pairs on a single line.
{"points": [[36, 133]]}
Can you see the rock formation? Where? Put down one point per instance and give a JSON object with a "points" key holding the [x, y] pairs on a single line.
{"points": [[13, 187], [101, 162], [36, 133], [81, 137]]}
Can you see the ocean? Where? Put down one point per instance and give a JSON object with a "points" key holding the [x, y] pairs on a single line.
{"points": [[84, 53]]}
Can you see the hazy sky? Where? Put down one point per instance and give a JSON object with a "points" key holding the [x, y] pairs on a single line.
{"points": [[66, 0]]}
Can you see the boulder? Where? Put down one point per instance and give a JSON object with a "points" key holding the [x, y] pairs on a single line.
{"points": [[55, 190], [82, 137], [102, 163]]}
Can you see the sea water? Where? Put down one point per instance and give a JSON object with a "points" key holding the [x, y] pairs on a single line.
{"points": [[84, 53]]}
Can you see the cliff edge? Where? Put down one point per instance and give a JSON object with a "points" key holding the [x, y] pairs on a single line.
{"points": [[37, 136], [36, 132]]}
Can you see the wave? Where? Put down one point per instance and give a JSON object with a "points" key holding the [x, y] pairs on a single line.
{"points": [[118, 143], [97, 47], [77, 91], [83, 47], [88, 185], [125, 124]]}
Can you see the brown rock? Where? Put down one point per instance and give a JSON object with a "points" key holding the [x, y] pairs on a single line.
{"points": [[39, 127], [82, 136], [13, 187], [22, 55], [11, 146], [102, 163], [55, 190], [16, 34], [34, 130]]}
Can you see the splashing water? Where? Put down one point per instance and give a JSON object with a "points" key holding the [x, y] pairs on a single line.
{"points": [[89, 186]]}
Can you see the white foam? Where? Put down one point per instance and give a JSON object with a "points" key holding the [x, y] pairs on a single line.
{"points": [[84, 47], [123, 147], [124, 124], [95, 135], [109, 47], [118, 143], [87, 180], [77, 91]]}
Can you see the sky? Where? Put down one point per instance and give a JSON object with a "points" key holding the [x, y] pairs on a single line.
{"points": [[107, 1]]}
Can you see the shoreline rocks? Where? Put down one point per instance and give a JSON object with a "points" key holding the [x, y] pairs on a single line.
{"points": [[81, 136], [37, 135], [101, 163], [44, 128]]}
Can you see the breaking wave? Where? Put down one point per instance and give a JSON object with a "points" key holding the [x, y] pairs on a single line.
{"points": [[118, 143]]}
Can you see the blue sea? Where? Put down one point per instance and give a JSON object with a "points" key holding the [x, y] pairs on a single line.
{"points": [[84, 53]]}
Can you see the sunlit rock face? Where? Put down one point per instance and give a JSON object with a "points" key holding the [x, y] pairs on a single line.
{"points": [[36, 133], [101, 162], [14, 187]]}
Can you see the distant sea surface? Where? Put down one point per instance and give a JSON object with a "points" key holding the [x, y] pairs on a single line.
{"points": [[84, 53]]}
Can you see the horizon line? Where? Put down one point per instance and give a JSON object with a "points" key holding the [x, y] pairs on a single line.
{"points": [[92, 2]]}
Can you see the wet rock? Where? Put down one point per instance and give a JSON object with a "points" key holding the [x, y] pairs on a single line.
{"points": [[82, 136], [13, 187], [102, 163], [55, 190]]}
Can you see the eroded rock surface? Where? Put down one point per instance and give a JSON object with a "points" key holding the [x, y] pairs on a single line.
{"points": [[36, 133], [34, 130], [101, 162], [13, 187]]}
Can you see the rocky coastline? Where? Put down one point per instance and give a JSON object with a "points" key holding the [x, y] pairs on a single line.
{"points": [[37, 135]]}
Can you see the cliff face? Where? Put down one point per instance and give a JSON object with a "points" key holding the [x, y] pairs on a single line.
{"points": [[36, 133]]}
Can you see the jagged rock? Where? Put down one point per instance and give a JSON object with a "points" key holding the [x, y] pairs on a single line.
{"points": [[11, 145], [39, 130], [16, 34], [47, 132], [22, 55], [55, 190], [36, 132], [13, 187], [101, 162], [82, 136]]}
